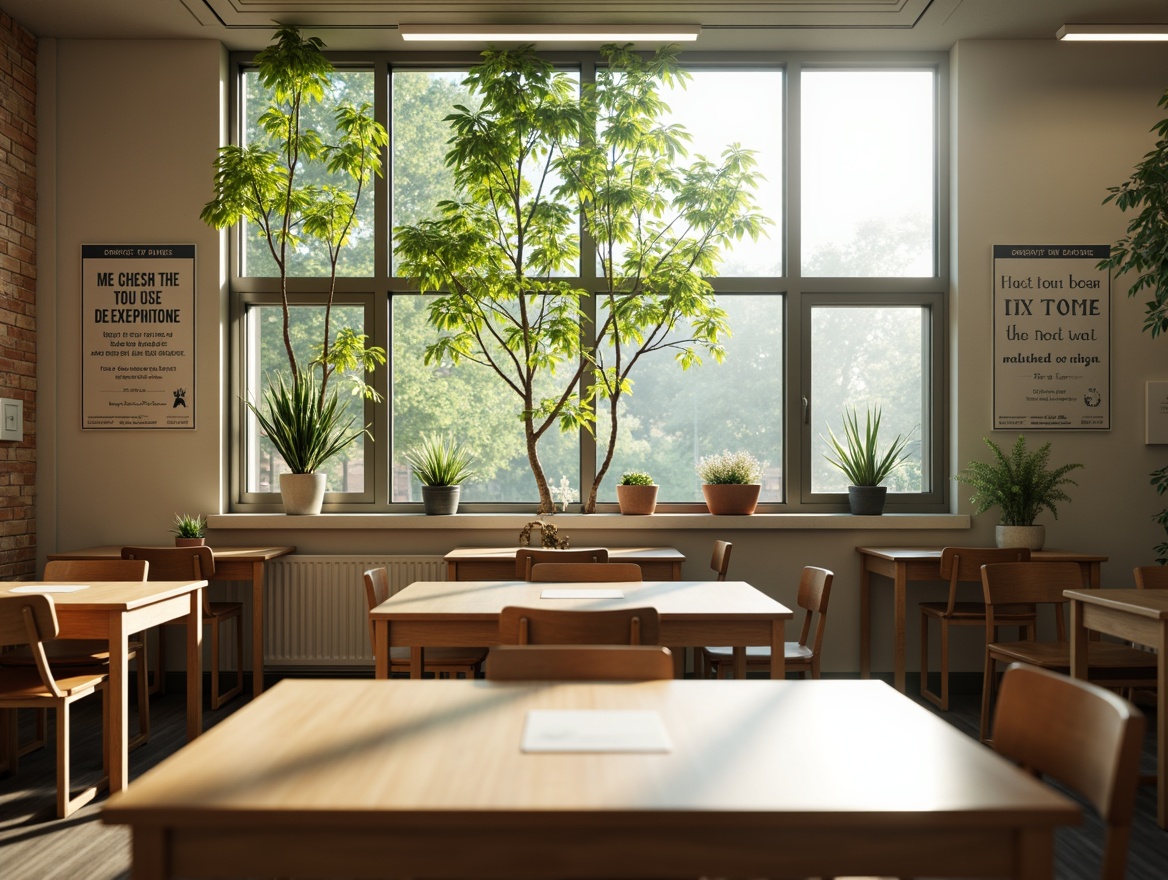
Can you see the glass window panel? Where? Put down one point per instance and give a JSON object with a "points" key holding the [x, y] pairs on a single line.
{"points": [[310, 259], [865, 357], [675, 417], [346, 471], [471, 402], [868, 173]]}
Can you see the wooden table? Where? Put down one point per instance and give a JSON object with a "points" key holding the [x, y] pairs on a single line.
{"points": [[112, 610], [904, 564], [1140, 616], [498, 563], [360, 778], [431, 614], [231, 564]]}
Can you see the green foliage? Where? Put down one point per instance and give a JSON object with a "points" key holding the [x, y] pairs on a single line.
{"points": [[1160, 481], [729, 467], [636, 478], [187, 526], [858, 456], [305, 429], [1022, 485], [440, 461]]}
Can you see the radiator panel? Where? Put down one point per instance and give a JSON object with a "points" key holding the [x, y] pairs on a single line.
{"points": [[315, 612]]}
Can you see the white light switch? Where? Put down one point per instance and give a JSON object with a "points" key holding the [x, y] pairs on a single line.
{"points": [[11, 419]]}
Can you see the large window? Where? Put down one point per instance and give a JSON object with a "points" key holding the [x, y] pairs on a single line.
{"points": [[840, 304]]}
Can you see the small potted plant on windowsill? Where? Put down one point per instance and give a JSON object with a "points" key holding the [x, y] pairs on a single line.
{"points": [[442, 465], [1022, 485], [858, 456], [189, 531], [636, 493], [730, 482]]}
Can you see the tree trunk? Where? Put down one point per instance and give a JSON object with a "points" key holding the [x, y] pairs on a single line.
{"points": [[546, 503], [590, 505]]}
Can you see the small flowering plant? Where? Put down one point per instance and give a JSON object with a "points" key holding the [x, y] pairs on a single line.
{"points": [[729, 467], [564, 494]]}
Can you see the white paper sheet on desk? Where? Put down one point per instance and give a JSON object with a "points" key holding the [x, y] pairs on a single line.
{"points": [[50, 588], [594, 730], [585, 593]]}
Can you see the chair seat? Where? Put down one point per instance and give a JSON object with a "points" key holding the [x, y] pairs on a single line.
{"points": [[975, 612], [1104, 658], [19, 684], [68, 652], [791, 651], [400, 657]]}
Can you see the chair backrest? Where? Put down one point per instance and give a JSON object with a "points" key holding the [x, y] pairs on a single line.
{"points": [[1029, 583], [550, 626], [568, 572], [376, 592], [526, 557], [96, 570], [814, 593], [579, 663], [1151, 577], [1081, 735], [29, 620], [177, 564], [720, 560], [963, 564]]}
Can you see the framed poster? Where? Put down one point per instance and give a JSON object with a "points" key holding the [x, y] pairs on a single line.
{"points": [[1156, 412], [1052, 337], [138, 336]]}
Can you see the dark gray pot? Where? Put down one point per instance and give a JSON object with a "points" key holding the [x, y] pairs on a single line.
{"points": [[867, 500], [440, 500]]}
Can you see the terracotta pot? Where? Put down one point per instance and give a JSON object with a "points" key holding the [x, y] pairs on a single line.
{"points": [[1032, 537], [636, 500], [303, 494], [731, 499], [188, 542]]}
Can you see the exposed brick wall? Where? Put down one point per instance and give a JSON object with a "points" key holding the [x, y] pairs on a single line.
{"points": [[18, 293]]}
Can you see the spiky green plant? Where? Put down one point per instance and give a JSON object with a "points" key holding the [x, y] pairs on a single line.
{"points": [[187, 526], [440, 461], [858, 455], [1022, 484], [636, 478], [306, 429]]}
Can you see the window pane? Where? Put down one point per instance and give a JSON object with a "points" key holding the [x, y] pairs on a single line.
{"points": [[867, 357], [267, 358], [867, 173], [471, 402], [310, 259], [673, 418]]}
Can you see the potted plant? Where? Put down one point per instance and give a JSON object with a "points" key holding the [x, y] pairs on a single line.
{"points": [[730, 482], [189, 531], [636, 493], [859, 457], [441, 465], [1022, 485]]}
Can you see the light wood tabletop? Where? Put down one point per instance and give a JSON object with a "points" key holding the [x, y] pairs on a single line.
{"points": [[903, 564], [231, 564], [1139, 616], [112, 610], [359, 778], [498, 563], [432, 614]]}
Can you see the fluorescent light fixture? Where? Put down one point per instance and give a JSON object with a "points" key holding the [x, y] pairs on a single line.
{"points": [[1114, 32], [537, 33]]}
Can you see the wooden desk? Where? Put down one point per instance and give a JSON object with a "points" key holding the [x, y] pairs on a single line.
{"points": [[498, 563], [431, 614], [1140, 616], [904, 564], [113, 610], [231, 564], [353, 778]]}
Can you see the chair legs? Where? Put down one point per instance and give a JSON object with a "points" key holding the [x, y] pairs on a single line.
{"points": [[218, 699], [941, 700]]}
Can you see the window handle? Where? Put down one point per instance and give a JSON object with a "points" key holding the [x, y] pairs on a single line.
{"points": [[806, 411]]}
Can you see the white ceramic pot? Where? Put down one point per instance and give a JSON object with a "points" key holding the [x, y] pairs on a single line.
{"points": [[1032, 537], [303, 494]]}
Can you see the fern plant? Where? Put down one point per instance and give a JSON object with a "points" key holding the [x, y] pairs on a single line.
{"points": [[1021, 484]]}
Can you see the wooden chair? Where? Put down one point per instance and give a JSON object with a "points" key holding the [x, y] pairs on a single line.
{"points": [[720, 560], [1082, 736], [569, 572], [526, 557], [1151, 577], [579, 663], [187, 563], [1042, 584], [550, 626], [30, 622], [69, 654], [963, 565], [813, 596], [440, 661]]}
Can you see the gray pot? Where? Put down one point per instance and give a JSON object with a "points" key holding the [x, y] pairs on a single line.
{"points": [[303, 494], [1032, 537], [440, 500], [867, 500]]}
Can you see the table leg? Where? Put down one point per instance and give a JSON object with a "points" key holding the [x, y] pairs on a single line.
{"points": [[739, 662], [900, 590], [865, 619], [1078, 641], [195, 666], [417, 663], [257, 628], [778, 652], [381, 648], [117, 704]]}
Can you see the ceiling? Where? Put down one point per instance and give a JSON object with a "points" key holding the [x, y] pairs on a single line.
{"points": [[911, 25]]}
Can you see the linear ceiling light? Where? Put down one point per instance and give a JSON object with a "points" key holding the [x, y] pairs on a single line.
{"points": [[548, 33], [1114, 32]]}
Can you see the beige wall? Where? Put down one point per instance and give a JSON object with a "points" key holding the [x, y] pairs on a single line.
{"points": [[1039, 132]]}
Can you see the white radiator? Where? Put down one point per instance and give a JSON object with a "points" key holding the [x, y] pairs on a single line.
{"points": [[315, 611]]}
